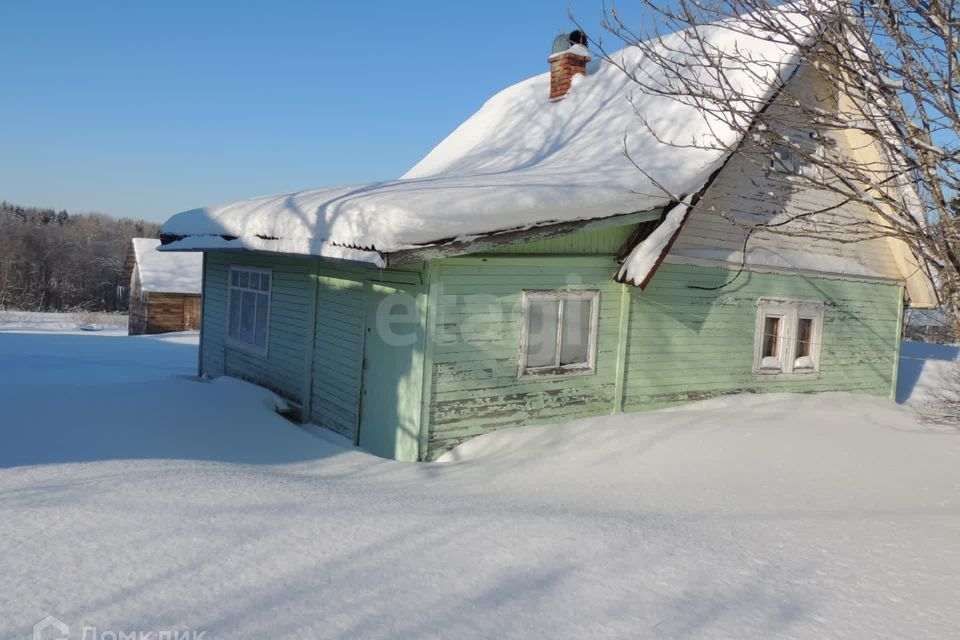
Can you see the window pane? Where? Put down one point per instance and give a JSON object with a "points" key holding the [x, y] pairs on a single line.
{"points": [[254, 280], [804, 345], [265, 282], [575, 341], [248, 311], [260, 336], [804, 337], [771, 337], [234, 278], [235, 295], [542, 318], [244, 279]]}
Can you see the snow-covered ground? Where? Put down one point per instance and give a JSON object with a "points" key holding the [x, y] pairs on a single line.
{"points": [[927, 372], [70, 321], [134, 497]]}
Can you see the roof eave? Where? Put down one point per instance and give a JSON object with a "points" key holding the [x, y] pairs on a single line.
{"points": [[506, 237], [445, 247]]}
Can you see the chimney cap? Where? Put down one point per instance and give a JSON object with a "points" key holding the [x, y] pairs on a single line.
{"points": [[566, 40]]}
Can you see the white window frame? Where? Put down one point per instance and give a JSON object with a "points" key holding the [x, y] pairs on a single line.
{"points": [[790, 312], [787, 162], [557, 370], [231, 288]]}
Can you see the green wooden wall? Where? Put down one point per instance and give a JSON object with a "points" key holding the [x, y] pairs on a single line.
{"points": [[687, 344], [598, 241], [665, 345], [338, 351], [319, 314], [458, 377], [284, 368], [476, 337]]}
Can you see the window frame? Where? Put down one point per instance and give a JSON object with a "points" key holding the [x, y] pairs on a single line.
{"points": [[558, 370], [231, 288], [790, 311], [786, 162]]}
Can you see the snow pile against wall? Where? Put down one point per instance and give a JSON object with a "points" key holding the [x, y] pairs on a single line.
{"points": [[520, 161], [167, 272]]}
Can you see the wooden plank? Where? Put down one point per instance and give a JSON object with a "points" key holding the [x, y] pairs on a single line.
{"points": [[428, 372], [622, 339], [896, 350]]}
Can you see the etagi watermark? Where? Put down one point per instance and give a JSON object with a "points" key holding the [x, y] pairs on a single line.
{"points": [[466, 317], [52, 628]]}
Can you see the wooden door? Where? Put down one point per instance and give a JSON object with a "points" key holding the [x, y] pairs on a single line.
{"points": [[389, 397]]}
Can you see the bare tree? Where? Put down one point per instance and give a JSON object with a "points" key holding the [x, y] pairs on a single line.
{"points": [[890, 72], [52, 261]]}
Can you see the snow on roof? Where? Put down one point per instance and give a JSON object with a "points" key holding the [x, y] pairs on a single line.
{"points": [[642, 261], [521, 161], [167, 272]]}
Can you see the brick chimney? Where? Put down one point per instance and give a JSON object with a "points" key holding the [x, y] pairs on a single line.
{"points": [[570, 57]]}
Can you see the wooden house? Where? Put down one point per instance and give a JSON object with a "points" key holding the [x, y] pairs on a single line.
{"points": [[526, 272], [164, 289]]}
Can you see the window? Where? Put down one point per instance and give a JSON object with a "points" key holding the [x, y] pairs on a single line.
{"points": [[788, 161], [770, 357], [249, 308], [559, 332], [788, 338]]}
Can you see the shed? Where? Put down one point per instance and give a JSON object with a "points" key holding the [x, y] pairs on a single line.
{"points": [[164, 288]]}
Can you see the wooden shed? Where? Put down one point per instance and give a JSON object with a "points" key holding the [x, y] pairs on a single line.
{"points": [[164, 288]]}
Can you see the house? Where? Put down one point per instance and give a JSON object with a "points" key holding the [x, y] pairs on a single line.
{"points": [[526, 272], [164, 288]]}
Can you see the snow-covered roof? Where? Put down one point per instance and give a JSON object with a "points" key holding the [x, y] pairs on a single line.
{"points": [[521, 161], [166, 272]]}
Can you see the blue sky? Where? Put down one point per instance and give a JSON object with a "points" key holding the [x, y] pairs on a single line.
{"points": [[145, 109]]}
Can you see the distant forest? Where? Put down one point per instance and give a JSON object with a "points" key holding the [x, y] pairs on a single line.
{"points": [[57, 261]]}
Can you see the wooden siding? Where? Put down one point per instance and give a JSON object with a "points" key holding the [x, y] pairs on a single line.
{"points": [[168, 312], [191, 312], [284, 368], [600, 241], [688, 344], [476, 340], [573, 233], [315, 345], [136, 305], [346, 309], [746, 192], [338, 355], [668, 344], [662, 346], [160, 312]]}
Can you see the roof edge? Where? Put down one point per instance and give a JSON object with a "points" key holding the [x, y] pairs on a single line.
{"points": [[505, 237]]}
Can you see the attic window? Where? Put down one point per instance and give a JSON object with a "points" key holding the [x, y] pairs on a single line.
{"points": [[559, 333], [788, 338], [786, 160]]}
